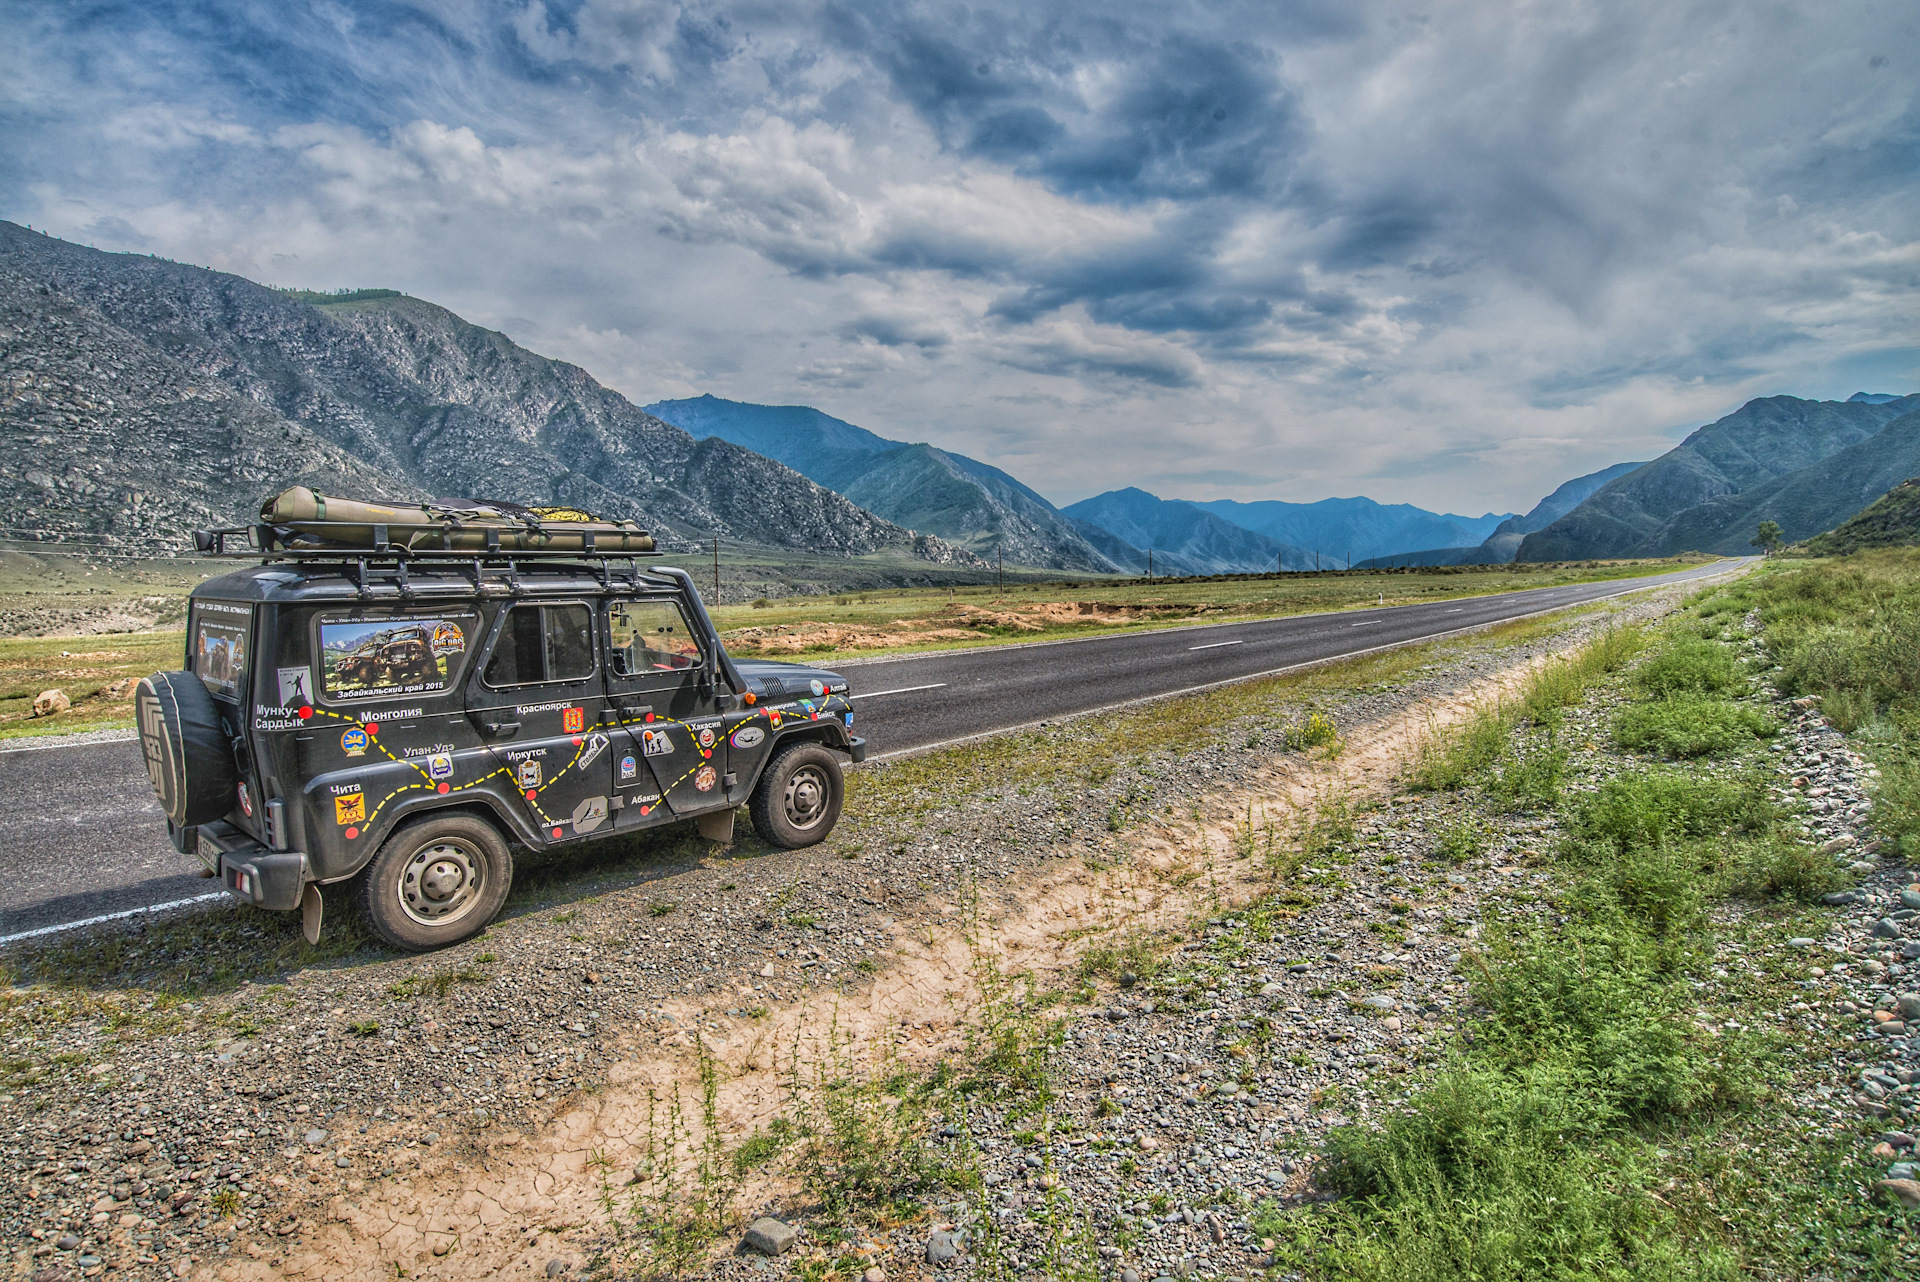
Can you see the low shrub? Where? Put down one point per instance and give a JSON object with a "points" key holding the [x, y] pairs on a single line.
{"points": [[1652, 807], [1779, 868], [1689, 727], [1447, 758], [1311, 731], [1530, 778], [1689, 666], [1462, 840]]}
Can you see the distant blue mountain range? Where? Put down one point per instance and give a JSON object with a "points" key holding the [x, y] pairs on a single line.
{"points": [[984, 509], [1357, 528], [926, 489]]}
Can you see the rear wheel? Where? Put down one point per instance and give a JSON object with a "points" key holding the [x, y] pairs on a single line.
{"points": [[798, 798], [436, 881]]}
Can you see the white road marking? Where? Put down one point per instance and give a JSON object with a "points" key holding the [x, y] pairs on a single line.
{"points": [[875, 694], [1364, 622], [1456, 610], [95, 921], [1056, 719], [84, 743], [1214, 645]]}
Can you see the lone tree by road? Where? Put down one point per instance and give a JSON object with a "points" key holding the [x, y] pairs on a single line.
{"points": [[1767, 537]]}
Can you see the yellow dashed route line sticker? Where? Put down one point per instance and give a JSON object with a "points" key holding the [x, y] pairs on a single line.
{"points": [[428, 784]]}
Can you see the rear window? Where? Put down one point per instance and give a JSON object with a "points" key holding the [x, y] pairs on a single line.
{"points": [[217, 649], [365, 656]]}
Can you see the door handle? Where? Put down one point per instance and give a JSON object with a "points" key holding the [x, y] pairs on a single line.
{"points": [[502, 727]]}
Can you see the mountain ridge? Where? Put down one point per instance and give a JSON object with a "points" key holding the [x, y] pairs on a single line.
{"points": [[972, 504], [1185, 537], [1651, 510], [420, 400]]}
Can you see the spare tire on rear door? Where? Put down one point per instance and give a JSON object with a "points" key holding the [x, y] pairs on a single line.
{"points": [[189, 757]]}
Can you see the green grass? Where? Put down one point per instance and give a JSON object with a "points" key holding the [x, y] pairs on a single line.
{"points": [[1689, 666], [1685, 727], [1588, 1126], [1449, 758]]}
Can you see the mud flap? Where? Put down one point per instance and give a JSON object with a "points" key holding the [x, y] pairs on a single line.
{"points": [[717, 825], [311, 906]]}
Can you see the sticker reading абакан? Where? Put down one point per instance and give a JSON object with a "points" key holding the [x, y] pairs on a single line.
{"points": [[392, 655]]}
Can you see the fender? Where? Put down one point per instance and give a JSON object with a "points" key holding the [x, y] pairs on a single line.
{"points": [[830, 733], [330, 867]]}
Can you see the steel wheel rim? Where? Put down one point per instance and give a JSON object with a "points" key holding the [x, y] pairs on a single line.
{"points": [[807, 794], [441, 881]]}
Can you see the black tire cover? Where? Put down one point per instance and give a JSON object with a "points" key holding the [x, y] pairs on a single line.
{"points": [[189, 759]]}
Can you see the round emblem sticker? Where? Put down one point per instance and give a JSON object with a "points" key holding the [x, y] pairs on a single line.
{"points": [[353, 742], [817, 688], [705, 777], [748, 736], [706, 737]]}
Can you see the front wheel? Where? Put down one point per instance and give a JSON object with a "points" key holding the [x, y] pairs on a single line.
{"points": [[798, 799], [436, 881]]}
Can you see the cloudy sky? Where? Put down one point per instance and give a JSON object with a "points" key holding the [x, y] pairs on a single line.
{"points": [[1443, 253]]}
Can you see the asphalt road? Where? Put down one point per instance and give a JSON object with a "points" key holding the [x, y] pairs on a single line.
{"points": [[82, 837]]}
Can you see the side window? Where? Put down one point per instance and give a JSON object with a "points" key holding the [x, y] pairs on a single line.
{"points": [[543, 643], [650, 636]]}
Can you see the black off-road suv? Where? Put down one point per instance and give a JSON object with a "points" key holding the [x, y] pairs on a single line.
{"points": [[393, 718]]}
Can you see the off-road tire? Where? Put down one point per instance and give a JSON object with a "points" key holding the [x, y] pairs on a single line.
{"points": [[189, 757], [436, 881], [797, 801]]}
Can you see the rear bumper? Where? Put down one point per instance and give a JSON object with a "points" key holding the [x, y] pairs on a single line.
{"points": [[858, 748], [264, 878]]}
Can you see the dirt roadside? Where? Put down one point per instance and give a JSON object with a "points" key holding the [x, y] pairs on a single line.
{"points": [[466, 1114]]}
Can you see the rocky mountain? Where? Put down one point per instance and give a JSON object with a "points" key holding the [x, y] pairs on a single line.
{"points": [[969, 503], [1500, 546], [1811, 499], [1700, 494], [1185, 537], [104, 437], [1892, 520], [200, 392], [1355, 529]]}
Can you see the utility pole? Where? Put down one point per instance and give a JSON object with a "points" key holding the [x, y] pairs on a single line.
{"points": [[1149, 563], [999, 568], [716, 569]]}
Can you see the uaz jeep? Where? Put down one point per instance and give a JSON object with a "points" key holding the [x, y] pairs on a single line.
{"points": [[389, 703]]}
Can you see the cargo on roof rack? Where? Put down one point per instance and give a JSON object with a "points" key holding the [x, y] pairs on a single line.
{"points": [[299, 522]]}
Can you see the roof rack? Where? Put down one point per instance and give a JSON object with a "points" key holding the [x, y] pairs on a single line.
{"points": [[482, 543]]}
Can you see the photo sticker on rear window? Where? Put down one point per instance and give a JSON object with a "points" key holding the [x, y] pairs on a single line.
{"points": [[219, 651], [379, 657]]}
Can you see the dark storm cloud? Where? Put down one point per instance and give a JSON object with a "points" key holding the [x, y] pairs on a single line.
{"points": [[1172, 112]]}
